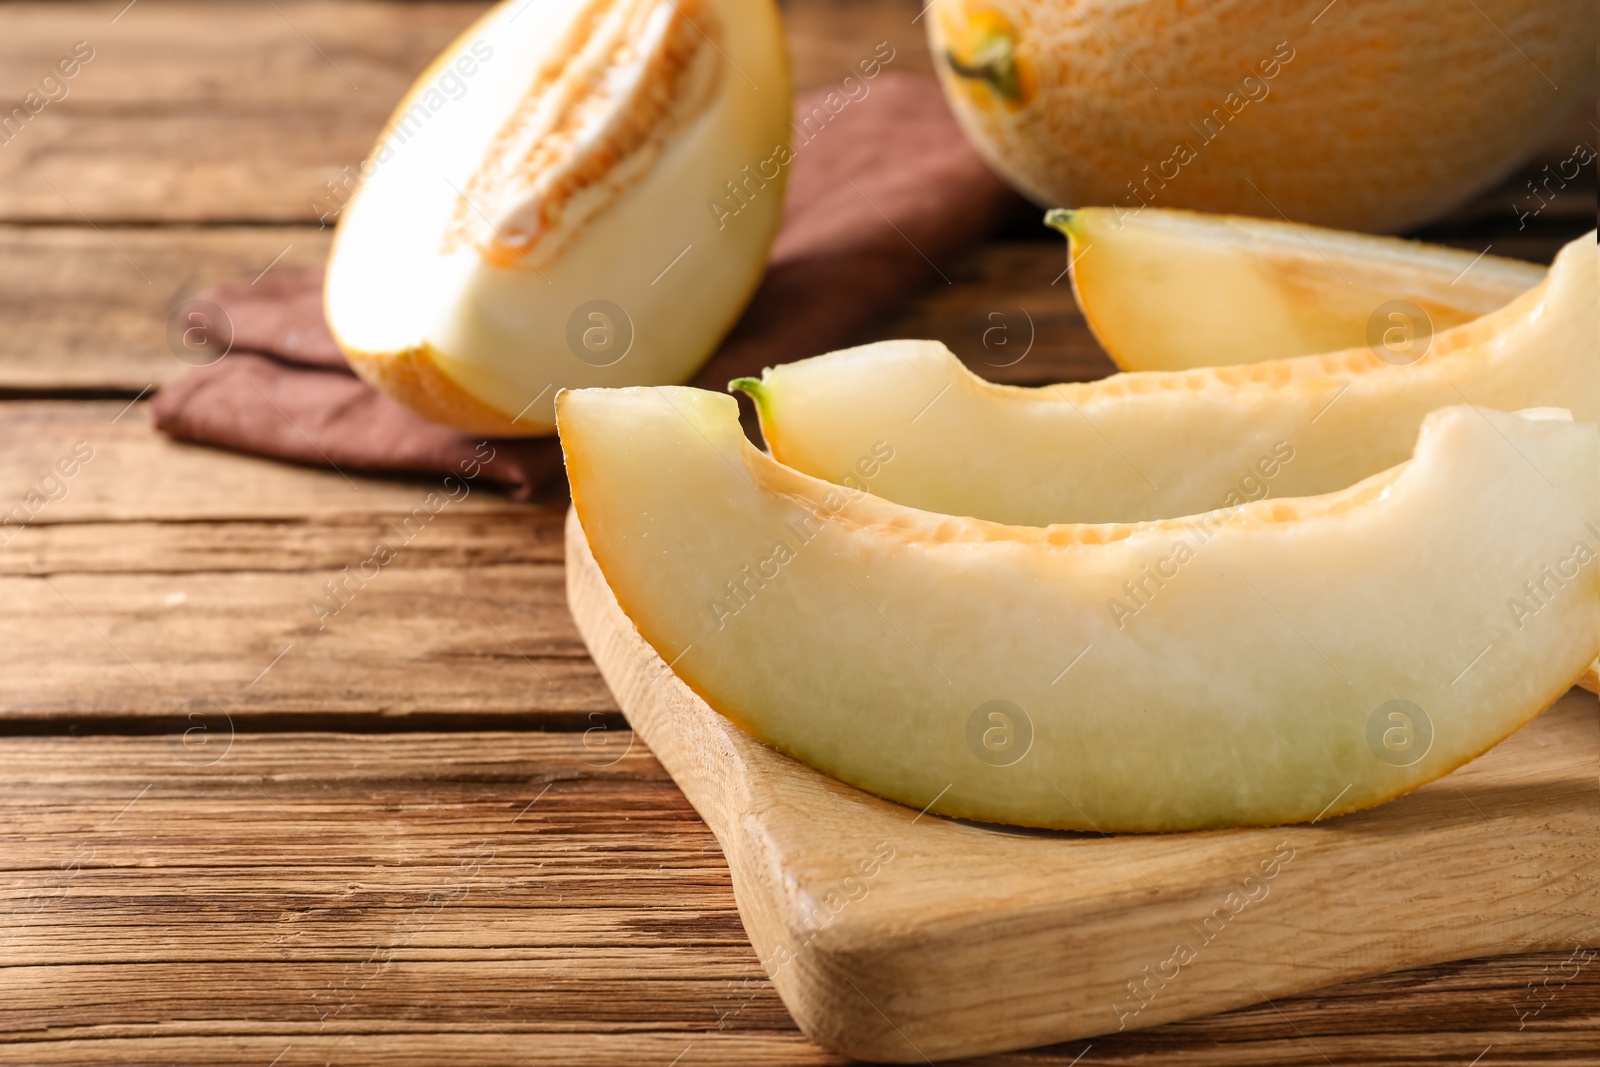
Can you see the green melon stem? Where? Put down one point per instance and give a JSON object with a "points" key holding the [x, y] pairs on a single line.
{"points": [[1060, 218], [994, 61], [751, 387]]}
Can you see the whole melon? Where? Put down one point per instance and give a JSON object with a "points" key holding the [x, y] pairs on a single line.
{"points": [[1373, 115]]}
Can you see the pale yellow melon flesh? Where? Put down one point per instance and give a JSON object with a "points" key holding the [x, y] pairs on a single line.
{"points": [[548, 207], [1152, 445], [1253, 686], [1171, 290]]}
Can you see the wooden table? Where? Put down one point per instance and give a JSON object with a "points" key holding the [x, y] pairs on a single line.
{"points": [[423, 831]]}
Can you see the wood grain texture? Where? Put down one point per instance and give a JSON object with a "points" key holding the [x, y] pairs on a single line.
{"points": [[89, 310], [191, 111], [507, 898], [163, 577], [897, 936], [316, 887], [481, 642], [137, 475]]}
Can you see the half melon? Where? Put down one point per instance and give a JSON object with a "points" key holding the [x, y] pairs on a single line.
{"points": [[1374, 115], [1152, 445], [552, 205], [1278, 662], [1172, 290]]}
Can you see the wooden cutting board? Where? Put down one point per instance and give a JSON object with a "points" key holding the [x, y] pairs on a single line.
{"points": [[894, 935]]}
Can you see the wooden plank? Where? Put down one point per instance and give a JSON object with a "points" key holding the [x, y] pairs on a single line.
{"points": [[515, 535], [479, 644], [160, 575], [136, 474], [88, 309], [348, 882], [507, 1048], [504, 898], [192, 110], [493, 1047]]}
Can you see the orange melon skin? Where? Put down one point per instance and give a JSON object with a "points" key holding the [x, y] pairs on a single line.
{"points": [[1378, 116], [415, 379]]}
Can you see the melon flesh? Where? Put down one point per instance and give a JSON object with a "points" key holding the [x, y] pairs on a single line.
{"points": [[872, 641], [1172, 290], [1152, 445], [565, 216]]}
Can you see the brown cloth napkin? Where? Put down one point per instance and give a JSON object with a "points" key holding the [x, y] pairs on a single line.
{"points": [[878, 195]]}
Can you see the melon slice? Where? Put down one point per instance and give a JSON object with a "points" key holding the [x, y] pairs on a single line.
{"points": [[1273, 663], [575, 193], [1171, 290], [1154, 444]]}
